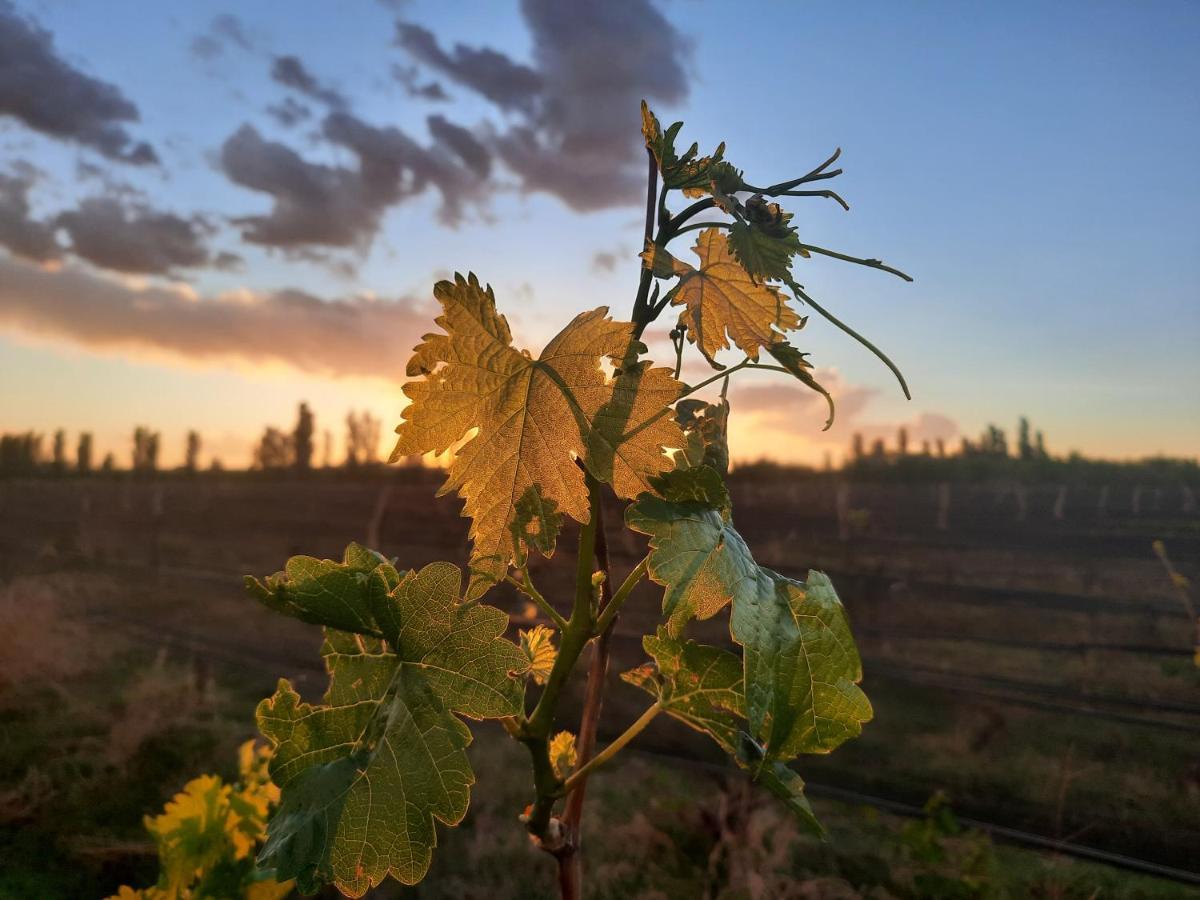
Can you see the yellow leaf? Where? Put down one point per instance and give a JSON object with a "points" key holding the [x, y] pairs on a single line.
{"points": [[721, 298], [562, 753], [530, 420], [536, 643]]}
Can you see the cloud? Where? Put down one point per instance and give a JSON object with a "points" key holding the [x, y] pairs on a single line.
{"points": [[131, 237], [785, 407], [604, 261], [19, 231], [510, 85], [51, 96], [354, 336], [409, 79], [291, 72], [289, 112], [577, 106], [463, 143], [224, 32], [317, 204]]}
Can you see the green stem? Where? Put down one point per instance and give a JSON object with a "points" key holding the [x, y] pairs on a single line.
{"points": [[575, 636], [526, 587], [622, 594], [581, 774]]}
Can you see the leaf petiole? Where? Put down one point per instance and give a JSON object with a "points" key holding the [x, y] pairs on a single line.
{"points": [[618, 599], [526, 587], [580, 775]]}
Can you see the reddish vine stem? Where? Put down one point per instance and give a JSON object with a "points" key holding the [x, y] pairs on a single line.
{"points": [[569, 862]]}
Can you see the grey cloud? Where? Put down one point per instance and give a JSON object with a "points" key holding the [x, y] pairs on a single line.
{"points": [[19, 231], [291, 72], [508, 84], [289, 112], [51, 96], [577, 134], [131, 237], [409, 79], [354, 336], [604, 261], [316, 204], [225, 31], [460, 140]]}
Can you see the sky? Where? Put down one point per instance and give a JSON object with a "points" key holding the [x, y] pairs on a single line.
{"points": [[210, 212]]}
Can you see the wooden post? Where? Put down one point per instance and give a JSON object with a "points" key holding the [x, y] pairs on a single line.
{"points": [[1060, 502]]}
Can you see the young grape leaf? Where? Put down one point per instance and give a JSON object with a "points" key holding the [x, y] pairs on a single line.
{"points": [[801, 666], [532, 418], [688, 173], [702, 687], [364, 774], [700, 484], [763, 242], [796, 363], [535, 525], [538, 647], [722, 301], [695, 553], [706, 428], [563, 755]]}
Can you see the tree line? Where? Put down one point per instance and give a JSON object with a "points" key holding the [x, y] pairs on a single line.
{"points": [[277, 449]]}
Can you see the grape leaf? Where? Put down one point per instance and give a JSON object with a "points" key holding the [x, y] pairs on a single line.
{"points": [[535, 525], [364, 774], [689, 173], [762, 253], [705, 426], [722, 301], [695, 553], [532, 418], [802, 668], [796, 363], [702, 687]]}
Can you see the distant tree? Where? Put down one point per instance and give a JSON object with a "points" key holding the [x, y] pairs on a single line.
{"points": [[856, 449], [191, 459], [1040, 446], [302, 438], [994, 442], [216, 465], [275, 450], [1024, 447], [83, 453], [941, 448], [145, 449], [877, 449], [20, 454], [109, 463], [902, 441], [965, 448], [60, 451], [362, 438], [926, 450], [327, 460]]}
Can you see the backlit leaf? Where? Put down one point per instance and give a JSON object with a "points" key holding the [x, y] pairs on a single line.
{"points": [[695, 553], [538, 647], [528, 420], [723, 302], [690, 173], [563, 755], [706, 428], [764, 242]]}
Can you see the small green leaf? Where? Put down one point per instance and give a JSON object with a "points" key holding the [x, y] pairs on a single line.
{"points": [[764, 242], [706, 427], [796, 363], [700, 484]]}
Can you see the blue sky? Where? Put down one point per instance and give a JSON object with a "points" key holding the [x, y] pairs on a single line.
{"points": [[1031, 165]]}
